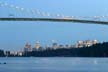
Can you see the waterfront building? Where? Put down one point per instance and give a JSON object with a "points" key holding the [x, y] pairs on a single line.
{"points": [[73, 46], [54, 45], [88, 43], [20, 53], [60, 46], [95, 41], [80, 44], [47, 47], [7, 53], [13, 53], [27, 48], [37, 46], [67, 46]]}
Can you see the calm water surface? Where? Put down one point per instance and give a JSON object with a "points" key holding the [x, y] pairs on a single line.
{"points": [[55, 64]]}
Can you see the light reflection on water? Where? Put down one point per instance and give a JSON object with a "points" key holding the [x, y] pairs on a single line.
{"points": [[54, 64]]}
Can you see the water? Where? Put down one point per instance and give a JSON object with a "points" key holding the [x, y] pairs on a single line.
{"points": [[54, 64]]}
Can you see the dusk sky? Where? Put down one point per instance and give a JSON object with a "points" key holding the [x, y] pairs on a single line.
{"points": [[14, 34]]}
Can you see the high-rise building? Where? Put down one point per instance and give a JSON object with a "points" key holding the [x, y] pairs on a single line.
{"points": [[27, 47], [87, 43], [80, 44], [95, 41], [37, 46], [20, 53]]}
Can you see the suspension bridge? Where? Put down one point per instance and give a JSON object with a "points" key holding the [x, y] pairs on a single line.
{"points": [[52, 17]]}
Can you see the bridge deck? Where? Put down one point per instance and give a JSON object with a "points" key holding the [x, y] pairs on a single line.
{"points": [[55, 20]]}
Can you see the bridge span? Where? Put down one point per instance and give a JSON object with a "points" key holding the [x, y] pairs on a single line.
{"points": [[55, 20]]}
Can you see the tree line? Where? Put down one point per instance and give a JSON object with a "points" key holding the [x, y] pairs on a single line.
{"points": [[97, 50]]}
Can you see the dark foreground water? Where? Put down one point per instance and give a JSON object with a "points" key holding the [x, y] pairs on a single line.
{"points": [[55, 64]]}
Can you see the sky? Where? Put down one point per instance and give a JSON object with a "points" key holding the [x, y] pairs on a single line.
{"points": [[14, 34]]}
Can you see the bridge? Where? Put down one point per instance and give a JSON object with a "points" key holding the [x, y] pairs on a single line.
{"points": [[54, 20], [52, 17]]}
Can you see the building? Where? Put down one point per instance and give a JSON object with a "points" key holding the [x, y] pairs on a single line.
{"points": [[60, 46], [73, 46], [27, 48], [13, 53], [80, 44], [95, 41], [47, 47], [86, 43], [20, 53], [67, 46], [54, 45], [37, 46], [7, 53]]}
